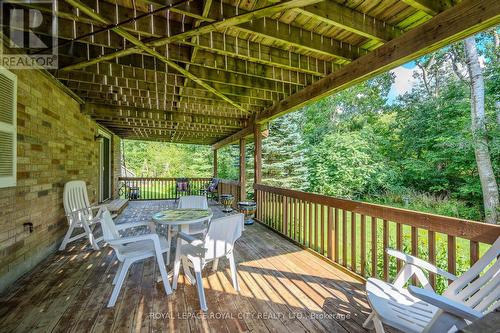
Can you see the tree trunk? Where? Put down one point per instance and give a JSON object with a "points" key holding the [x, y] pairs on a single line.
{"points": [[478, 126]]}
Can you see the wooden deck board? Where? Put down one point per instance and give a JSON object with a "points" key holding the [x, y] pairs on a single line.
{"points": [[283, 289]]}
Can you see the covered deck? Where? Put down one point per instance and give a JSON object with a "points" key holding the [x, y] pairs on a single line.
{"points": [[212, 73], [283, 288]]}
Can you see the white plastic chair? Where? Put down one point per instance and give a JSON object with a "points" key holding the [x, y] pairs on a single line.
{"points": [[131, 249], [416, 310], [80, 213], [217, 243], [190, 202]]}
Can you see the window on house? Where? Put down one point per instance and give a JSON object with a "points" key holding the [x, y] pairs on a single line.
{"points": [[8, 106]]}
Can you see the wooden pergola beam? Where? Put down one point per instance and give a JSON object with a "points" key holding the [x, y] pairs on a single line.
{"points": [[206, 9], [204, 29], [332, 13], [133, 114], [454, 24], [140, 45], [431, 7], [302, 41]]}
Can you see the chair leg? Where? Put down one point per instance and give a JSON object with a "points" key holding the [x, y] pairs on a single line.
{"points": [[199, 285], [368, 324], [234, 272], [215, 265], [119, 283], [90, 236], [169, 243], [67, 236], [163, 271], [120, 267], [379, 328], [177, 264]]}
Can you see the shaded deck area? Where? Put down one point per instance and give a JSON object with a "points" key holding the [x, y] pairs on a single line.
{"points": [[283, 288]]}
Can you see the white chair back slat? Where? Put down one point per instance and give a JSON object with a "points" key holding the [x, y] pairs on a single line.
{"points": [[75, 199], [193, 202], [109, 230], [491, 301], [478, 286], [482, 286], [221, 235]]}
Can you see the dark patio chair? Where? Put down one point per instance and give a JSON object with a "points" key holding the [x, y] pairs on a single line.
{"points": [[182, 187], [212, 189]]}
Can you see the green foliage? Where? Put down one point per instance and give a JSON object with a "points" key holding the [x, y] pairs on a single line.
{"points": [[346, 165], [156, 159]]}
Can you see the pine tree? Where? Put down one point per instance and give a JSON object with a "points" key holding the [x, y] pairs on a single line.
{"points": [[283, 153]]}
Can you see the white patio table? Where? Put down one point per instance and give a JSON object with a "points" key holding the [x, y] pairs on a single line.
{"points": [[182, 218]]}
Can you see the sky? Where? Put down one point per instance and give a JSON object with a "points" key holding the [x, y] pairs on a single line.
{"points": [[403, 81]]}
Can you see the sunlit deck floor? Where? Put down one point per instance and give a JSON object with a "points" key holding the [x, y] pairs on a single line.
{"points": [[283, 289]]}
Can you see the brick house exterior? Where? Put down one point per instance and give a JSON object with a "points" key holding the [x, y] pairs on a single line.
{"points": [[56, 143]]}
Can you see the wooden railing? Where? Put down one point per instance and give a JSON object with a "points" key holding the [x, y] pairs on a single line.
{"points": [[150, 188], [354, 234], [147, 188]]}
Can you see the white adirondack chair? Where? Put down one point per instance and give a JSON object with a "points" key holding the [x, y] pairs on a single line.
{"points": [[217, 243], [132, 249], [80, 213], [416, 310]]}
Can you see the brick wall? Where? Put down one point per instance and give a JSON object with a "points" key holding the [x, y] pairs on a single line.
{"points": [[55, 144]]}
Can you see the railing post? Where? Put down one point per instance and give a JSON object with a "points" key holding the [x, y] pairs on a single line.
{"points": [[243, 178], [215, 163], [257, 155], [285, 216]]}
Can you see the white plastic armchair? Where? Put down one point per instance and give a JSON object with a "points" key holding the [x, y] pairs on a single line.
{"points": [[217, 243], [80, 214], [132, 249], [190, 202], [469, 297]]}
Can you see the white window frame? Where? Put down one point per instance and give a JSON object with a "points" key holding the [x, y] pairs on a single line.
{"points": [[105, 134], [10, 181]]}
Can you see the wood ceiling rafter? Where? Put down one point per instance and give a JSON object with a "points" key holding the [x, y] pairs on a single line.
{"points": [[431, 7], [162, 115], [66, 31], [205, 29], [150, 49], [207, 4], [163, 86]]}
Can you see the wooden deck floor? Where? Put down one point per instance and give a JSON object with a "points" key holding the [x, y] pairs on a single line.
{"points": [[283, 289]]}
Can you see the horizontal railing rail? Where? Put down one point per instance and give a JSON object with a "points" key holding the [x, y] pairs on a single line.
{"points": [[355, 234], [159, 188]]}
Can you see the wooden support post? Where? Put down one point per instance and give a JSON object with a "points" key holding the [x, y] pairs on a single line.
{"points": [[257, 155], [243, 178], [215, 163]]}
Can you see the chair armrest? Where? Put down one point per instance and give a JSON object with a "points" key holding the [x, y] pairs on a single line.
{"points": [[457, 309], [132, 239], [409, 259], [190, 239]]}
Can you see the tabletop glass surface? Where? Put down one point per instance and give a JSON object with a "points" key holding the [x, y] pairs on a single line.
{"points": [[172, 215]]}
